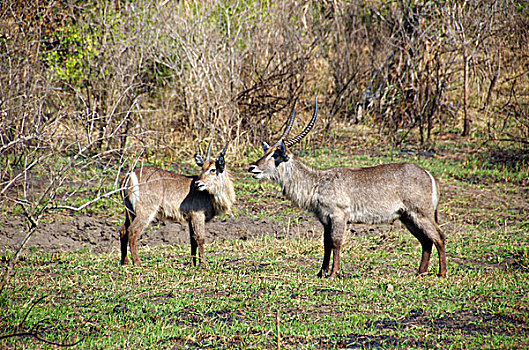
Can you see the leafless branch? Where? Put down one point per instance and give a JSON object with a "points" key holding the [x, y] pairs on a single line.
{"points": [[34, 332]]}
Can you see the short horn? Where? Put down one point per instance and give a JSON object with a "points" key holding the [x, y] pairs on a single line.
{"points": [[224, 150], [220, 159], [290, 121], [305, 131], [208, 155]]}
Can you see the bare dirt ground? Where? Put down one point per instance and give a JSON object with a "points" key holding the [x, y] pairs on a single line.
{"points": [[100, 234]]}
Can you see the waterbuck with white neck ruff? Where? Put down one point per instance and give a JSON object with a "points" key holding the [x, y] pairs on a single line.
{"points": [[338, 196], [151, 193]]}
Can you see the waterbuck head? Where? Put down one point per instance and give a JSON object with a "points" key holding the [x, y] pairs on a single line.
{"points": [[212, 172], [274, 156]]}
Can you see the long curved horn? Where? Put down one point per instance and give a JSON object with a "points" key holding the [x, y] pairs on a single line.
{"points": [[290, 121], [305, 131], [208, 155]]}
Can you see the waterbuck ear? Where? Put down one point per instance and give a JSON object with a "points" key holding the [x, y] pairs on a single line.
{"points": [[219, 163], [199, 160], [280, 154], [282, 148], [265, 147]]}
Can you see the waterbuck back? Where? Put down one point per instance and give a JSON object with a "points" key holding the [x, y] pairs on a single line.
{"points": [[151, 193], [338, 196]]}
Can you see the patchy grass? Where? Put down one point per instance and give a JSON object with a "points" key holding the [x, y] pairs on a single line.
{"points": [[250, 286]]}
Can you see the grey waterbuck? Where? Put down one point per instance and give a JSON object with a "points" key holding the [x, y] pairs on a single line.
{"points": [[338, 196], [151, 193]]}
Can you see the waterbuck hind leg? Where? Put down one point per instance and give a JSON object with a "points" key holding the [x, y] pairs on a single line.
{"points": [[440, 245], [434, 233], [133, 245], [426, 242], [124, 237], [136, 228], [124, 241], [426, 253], [327, 246], [428, 234]]}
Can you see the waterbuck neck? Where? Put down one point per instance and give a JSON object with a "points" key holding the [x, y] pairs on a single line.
{"points": [[298, 182], [223, 194]]}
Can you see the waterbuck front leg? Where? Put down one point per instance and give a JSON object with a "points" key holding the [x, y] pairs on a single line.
{"points": [[338, 224], [197, 224], [327, 246], [333, 232]]}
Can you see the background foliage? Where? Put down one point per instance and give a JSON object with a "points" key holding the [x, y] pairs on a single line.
{"points": [[122, 74]]}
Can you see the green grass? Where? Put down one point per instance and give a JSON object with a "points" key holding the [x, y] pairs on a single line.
{"points": [[376, 301], [252, 286]]}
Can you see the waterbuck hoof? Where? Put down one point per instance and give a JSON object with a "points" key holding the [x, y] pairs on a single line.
{"points": [[201, 263]]}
